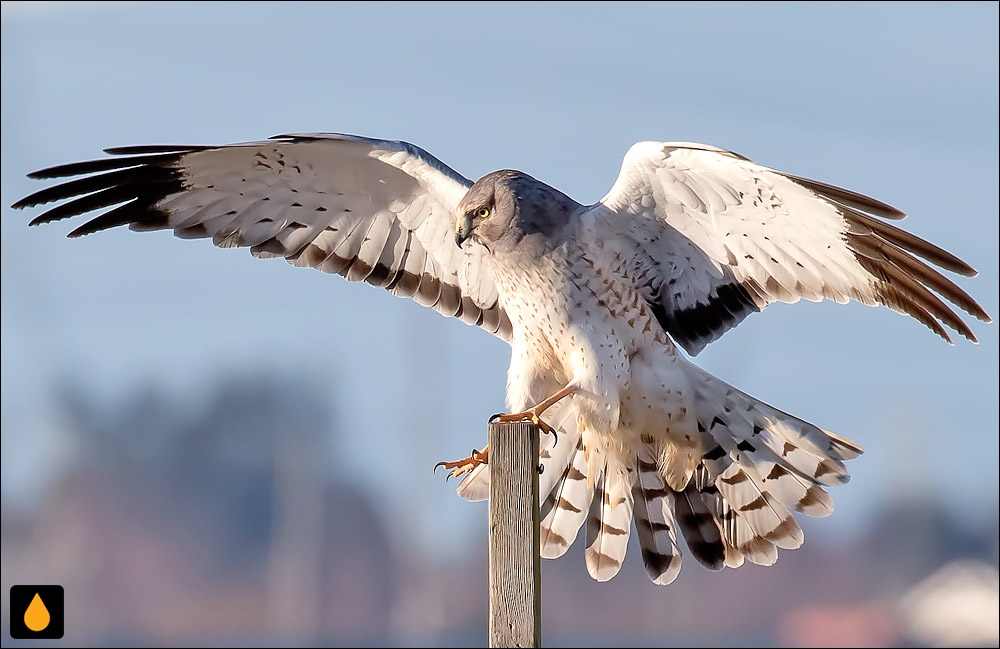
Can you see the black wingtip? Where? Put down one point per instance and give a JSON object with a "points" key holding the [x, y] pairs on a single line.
{"points": [[103, 164], [155, 148]]}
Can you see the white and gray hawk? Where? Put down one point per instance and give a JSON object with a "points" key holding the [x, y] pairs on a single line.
{"points": [[593, 299]]}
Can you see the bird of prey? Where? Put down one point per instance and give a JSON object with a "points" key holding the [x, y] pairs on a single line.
{"points": [[596, 302]]}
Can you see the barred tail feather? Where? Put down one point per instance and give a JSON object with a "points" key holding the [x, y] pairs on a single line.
{"points": [[725, 519], [749, 496], [557, 453], [654, 519], [701, 527], [815, 454], [766, 517], [758, 464], [811, 452], [565, 509], [609, 522]]}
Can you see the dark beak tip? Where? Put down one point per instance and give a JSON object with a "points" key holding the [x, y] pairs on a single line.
{"points": [[459, 240]]}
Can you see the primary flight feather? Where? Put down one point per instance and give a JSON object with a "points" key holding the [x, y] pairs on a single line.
{"points": [[593, 300]]}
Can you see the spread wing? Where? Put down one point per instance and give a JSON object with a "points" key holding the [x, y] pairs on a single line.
{"points": [[370, 210], [719, 237]]}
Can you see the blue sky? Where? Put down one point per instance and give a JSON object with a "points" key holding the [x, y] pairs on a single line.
{"points": [[899, 101]]}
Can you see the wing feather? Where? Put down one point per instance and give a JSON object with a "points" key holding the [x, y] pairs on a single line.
{"points": [[371, 210], [719, 237]]}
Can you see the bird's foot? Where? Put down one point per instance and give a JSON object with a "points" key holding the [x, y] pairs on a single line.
{"points": [[531, 415], [458, 468]]}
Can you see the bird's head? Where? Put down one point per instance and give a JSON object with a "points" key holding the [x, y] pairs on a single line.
{"points": [[486, 210], [506, 206]]}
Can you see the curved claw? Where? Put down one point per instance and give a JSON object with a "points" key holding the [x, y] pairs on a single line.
{"points": [[464, 466], [545, 428], [495, 417]]}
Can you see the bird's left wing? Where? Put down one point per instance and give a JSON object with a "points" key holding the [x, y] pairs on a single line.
{"points": [[378, 211], [718, 237]]}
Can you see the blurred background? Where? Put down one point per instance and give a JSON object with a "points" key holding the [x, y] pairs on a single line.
{"points": [[207, 449]]}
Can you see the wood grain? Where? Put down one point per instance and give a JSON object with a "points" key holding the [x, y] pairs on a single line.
{"points": [[515, 557]]}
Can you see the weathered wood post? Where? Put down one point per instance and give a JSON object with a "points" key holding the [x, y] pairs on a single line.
{"points": [[515, 553]]}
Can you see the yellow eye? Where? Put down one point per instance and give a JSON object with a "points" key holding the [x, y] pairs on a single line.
{"points": [[483, 212]]}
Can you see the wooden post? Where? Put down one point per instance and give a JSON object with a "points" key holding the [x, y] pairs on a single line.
{"points": [[515, 552]]}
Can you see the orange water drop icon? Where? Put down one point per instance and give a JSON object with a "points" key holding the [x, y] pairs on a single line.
{"points": [[37, 616]]}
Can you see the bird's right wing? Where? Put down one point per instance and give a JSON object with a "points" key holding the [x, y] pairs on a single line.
{"points": [[716, 237], [370, 210]]}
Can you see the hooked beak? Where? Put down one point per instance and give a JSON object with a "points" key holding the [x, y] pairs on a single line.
{"points": [[463, 229]]}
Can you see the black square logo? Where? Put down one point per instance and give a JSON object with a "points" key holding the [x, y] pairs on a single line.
{"points": [[36, 612]]}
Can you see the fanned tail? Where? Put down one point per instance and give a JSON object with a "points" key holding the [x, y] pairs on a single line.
{"points": [[757, 465]]}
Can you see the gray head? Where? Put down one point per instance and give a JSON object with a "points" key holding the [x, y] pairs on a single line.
{"points": [[504, 208]]}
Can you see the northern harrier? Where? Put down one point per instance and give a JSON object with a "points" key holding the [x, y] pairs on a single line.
{"points": [[593, 299]]}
